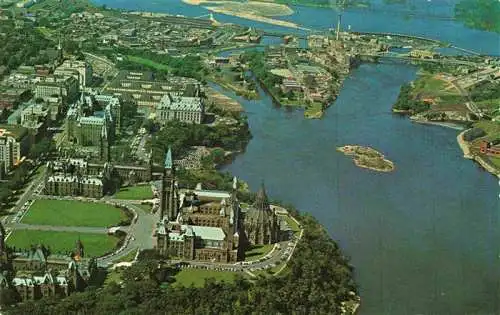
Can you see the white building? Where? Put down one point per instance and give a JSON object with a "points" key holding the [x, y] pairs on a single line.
{"points": [[187, 109], [80, 70], [13, 145]]}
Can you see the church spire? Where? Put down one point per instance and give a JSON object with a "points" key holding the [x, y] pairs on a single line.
{"points": [[261, 201], [78, 250], [168, 159]]}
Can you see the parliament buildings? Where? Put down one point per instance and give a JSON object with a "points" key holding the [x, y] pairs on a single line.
{"points": [[210, 225], [35, 272]]}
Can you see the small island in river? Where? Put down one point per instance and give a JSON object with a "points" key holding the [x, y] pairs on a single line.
{"points": [[367, 157]]}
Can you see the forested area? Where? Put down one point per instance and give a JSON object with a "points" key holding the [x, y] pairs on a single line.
{"points": [[486, 91], [256, 61], [187, 66], [480, 14], [406, 102], [21, 45], [318, 280], [180, 136]]}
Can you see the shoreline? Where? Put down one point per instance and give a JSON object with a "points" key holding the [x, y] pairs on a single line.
{"points": [[256, 18], [445, 124], [464, 146]]}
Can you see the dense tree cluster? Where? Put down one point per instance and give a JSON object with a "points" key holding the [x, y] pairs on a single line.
{"points": [[256, 61], [318, 281], [187, 66], [180, 136], [486, 91], [21, 45], [406, 102]]}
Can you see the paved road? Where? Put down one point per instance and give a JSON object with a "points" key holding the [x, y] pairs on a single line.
{"points": [[470, 103], [140, 234], [27, 195], [80, 229]]}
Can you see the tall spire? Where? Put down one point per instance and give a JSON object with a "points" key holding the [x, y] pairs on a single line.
{"points": [[261, 201], [168, 159], [78, 250]]}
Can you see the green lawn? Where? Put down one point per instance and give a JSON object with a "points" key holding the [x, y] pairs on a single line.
{"points": [[315, 110], [492, 128], [73, 213], [129, 257], [495, 161], [258, 251], [291, 223], [148, 208], [428, 84], [147, 62], [135, 193], [196, 277], [62, 242]]}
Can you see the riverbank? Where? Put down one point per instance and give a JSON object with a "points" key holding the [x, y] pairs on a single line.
{"points": [[254, 7], [465, 147], [257, 18]]}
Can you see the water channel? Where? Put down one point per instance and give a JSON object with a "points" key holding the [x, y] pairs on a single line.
{"points": [[424, 239]]}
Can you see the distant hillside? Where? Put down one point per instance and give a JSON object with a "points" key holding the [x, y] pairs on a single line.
{"points": [[480, 14]]}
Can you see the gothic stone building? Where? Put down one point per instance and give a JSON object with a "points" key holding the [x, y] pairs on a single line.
{"points": [[260, 222], [35, 273], [77, 177], [198, 225]]}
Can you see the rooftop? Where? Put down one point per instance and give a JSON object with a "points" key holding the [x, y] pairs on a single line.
{"points": [[182, 103], [17, 132]]}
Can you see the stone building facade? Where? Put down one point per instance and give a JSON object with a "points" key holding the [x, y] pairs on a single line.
{"points": [[77, 177], [86, 126], [182, 108], [261, 222], [198, 225], [35, 272]]}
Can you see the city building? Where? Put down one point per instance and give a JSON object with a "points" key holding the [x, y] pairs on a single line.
{"points": [[35, 117], [94, 120], [78, 177], [198, 225], [35, 272], [144, 89], [14, 145], [261, 222], [182, 108], [66, 87], [79, 69], [490, 148]]}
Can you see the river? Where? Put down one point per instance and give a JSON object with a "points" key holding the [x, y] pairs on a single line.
{"points": [[423, 239]]}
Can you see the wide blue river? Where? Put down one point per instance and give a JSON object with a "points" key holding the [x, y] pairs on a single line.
{"points": [[423, 239]]}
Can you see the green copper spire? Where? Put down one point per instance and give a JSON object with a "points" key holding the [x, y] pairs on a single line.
{"points": [[168, 159]]}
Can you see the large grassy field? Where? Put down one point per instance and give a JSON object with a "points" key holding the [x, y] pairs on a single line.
{"points": [[73, 213], [196, 277], [147, 62], [62, 242], [135, 193]]}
